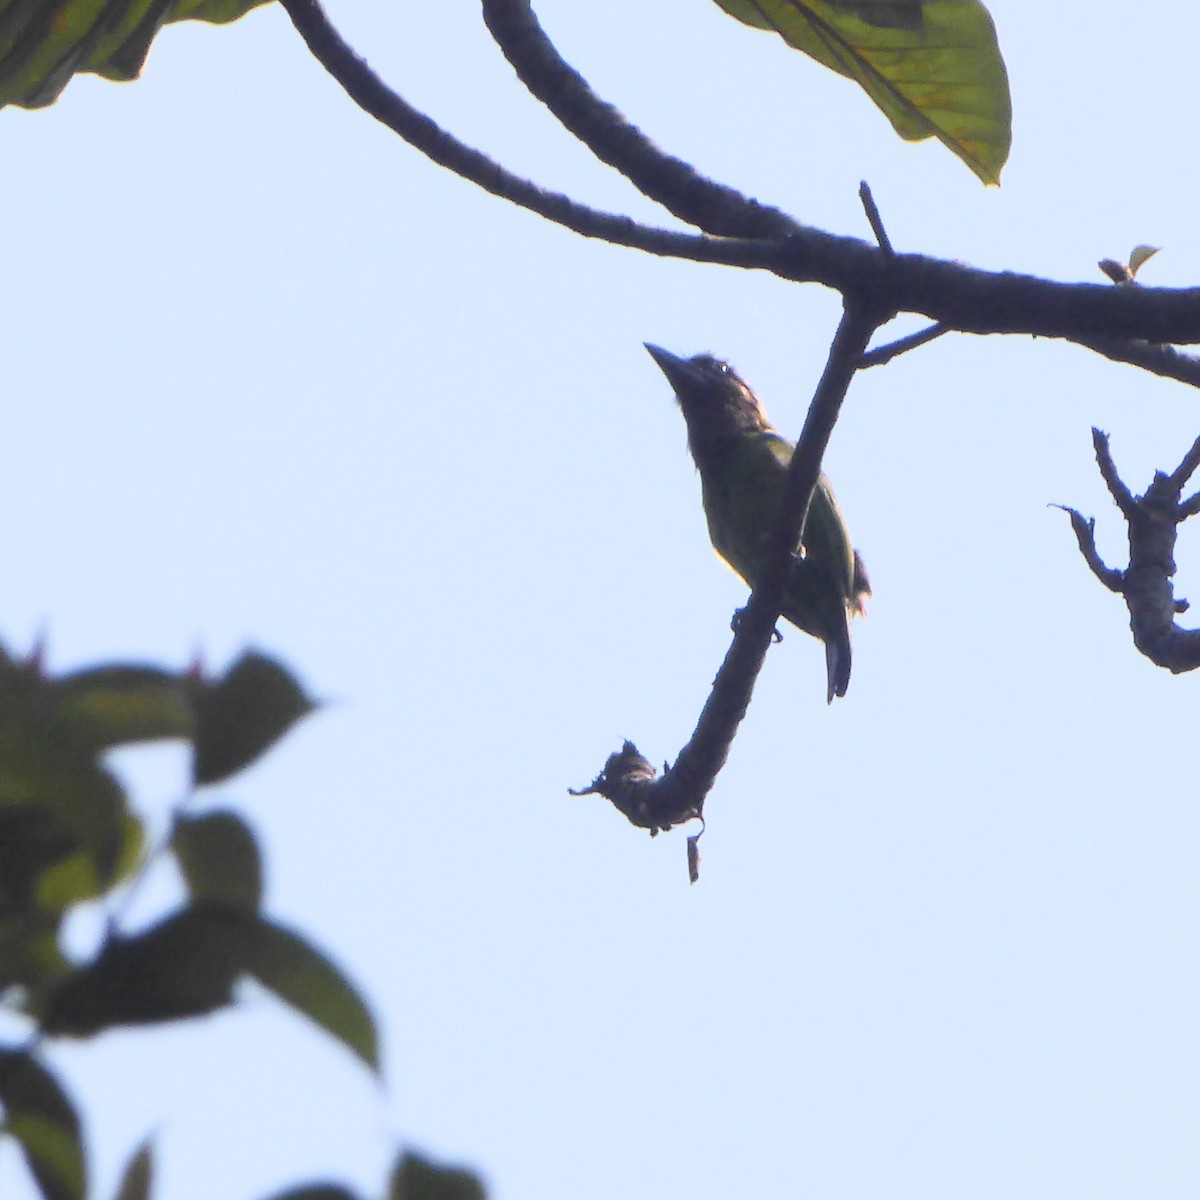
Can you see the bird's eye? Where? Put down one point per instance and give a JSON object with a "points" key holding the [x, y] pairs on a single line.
{"points": [[723, 367]]}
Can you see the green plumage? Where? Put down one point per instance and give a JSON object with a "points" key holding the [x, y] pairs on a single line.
{"points": [[743, 464]]}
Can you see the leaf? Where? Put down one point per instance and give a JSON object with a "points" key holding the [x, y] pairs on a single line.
{"points": [[240, 716], [39, 1115], [416, 1178], [182, 967], [186, 966], [45, 765], [304, 978], [139, 1174], [44, 42], [30, 960], [75, 878], [111, 705], [1139, 255], [932, 66], [220, 859]]}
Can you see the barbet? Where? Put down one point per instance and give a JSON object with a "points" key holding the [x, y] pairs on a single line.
{"points": [[743, 462]]}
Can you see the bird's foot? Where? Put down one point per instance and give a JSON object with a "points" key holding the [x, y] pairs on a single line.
{"points": [[736, 620]]}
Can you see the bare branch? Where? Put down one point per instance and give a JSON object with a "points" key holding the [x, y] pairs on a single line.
{"points": [[1186, 468], [671, 182], [1085, 535], [949, 293], [875, 220], [1153, 521], [885, 354], [1108, 472], [1162, 360], [374, 97]]}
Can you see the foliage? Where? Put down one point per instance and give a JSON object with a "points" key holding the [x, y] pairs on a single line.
{"points": [[932, 66], [69, 836], [43, 44]]}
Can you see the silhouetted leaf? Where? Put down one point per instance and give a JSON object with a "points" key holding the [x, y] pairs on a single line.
{"points": [[186, 966], [183, 967], [38, 1114], [30, 960], [932, 66], [139, 1174], [112, 705], [219, 857], [416, 1178], [303, 977], [43, 764], [241, 715]]}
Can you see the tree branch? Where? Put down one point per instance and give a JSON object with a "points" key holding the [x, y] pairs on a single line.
{"points": [[885, 354], [1122, 496], [676, 185], [1153, 521], [678, 795], [1162, 360], [376, 99], [960, 297]]}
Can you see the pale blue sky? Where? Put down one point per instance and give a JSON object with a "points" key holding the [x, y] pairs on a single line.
{"points": [[275, 379]]}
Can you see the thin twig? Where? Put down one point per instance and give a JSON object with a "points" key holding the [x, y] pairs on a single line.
{"points": [[1085, 535], [875, 220], [885, 354], [1108, 472], [1186, 468]]}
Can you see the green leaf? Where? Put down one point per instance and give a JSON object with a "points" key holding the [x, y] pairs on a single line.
{"points": [[30, 960], [1139, 255], [45, 765], [38, 1114], [220, 859], [416, 1178], [186, 966], [111, 705], [86, 809], [241, 715], [44, 42], [75, 878], [31, 840], [183, 967], [139, 1174], [932, 66], [304, 978]]}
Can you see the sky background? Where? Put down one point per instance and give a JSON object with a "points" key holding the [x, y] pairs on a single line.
{"points": [[274, 379]]}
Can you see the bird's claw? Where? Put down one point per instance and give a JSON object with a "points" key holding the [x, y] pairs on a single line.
{"points": [[736, 621]]}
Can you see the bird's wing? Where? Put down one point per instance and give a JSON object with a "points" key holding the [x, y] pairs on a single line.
{"points": [[826, 537], [741, 499]]}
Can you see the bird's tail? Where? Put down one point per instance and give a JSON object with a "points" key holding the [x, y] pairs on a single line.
{"points": [[837, 659]]}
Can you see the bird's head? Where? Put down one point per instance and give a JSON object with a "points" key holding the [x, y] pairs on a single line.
{"points": [[717, 403]]}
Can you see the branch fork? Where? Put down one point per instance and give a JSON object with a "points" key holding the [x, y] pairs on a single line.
{"points": [[1153, 521]]}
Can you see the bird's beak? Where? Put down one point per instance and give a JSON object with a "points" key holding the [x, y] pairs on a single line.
{"points": [[680, 373]]}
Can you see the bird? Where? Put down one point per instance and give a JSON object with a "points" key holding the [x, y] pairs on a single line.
{"points": [[743, 460]]}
